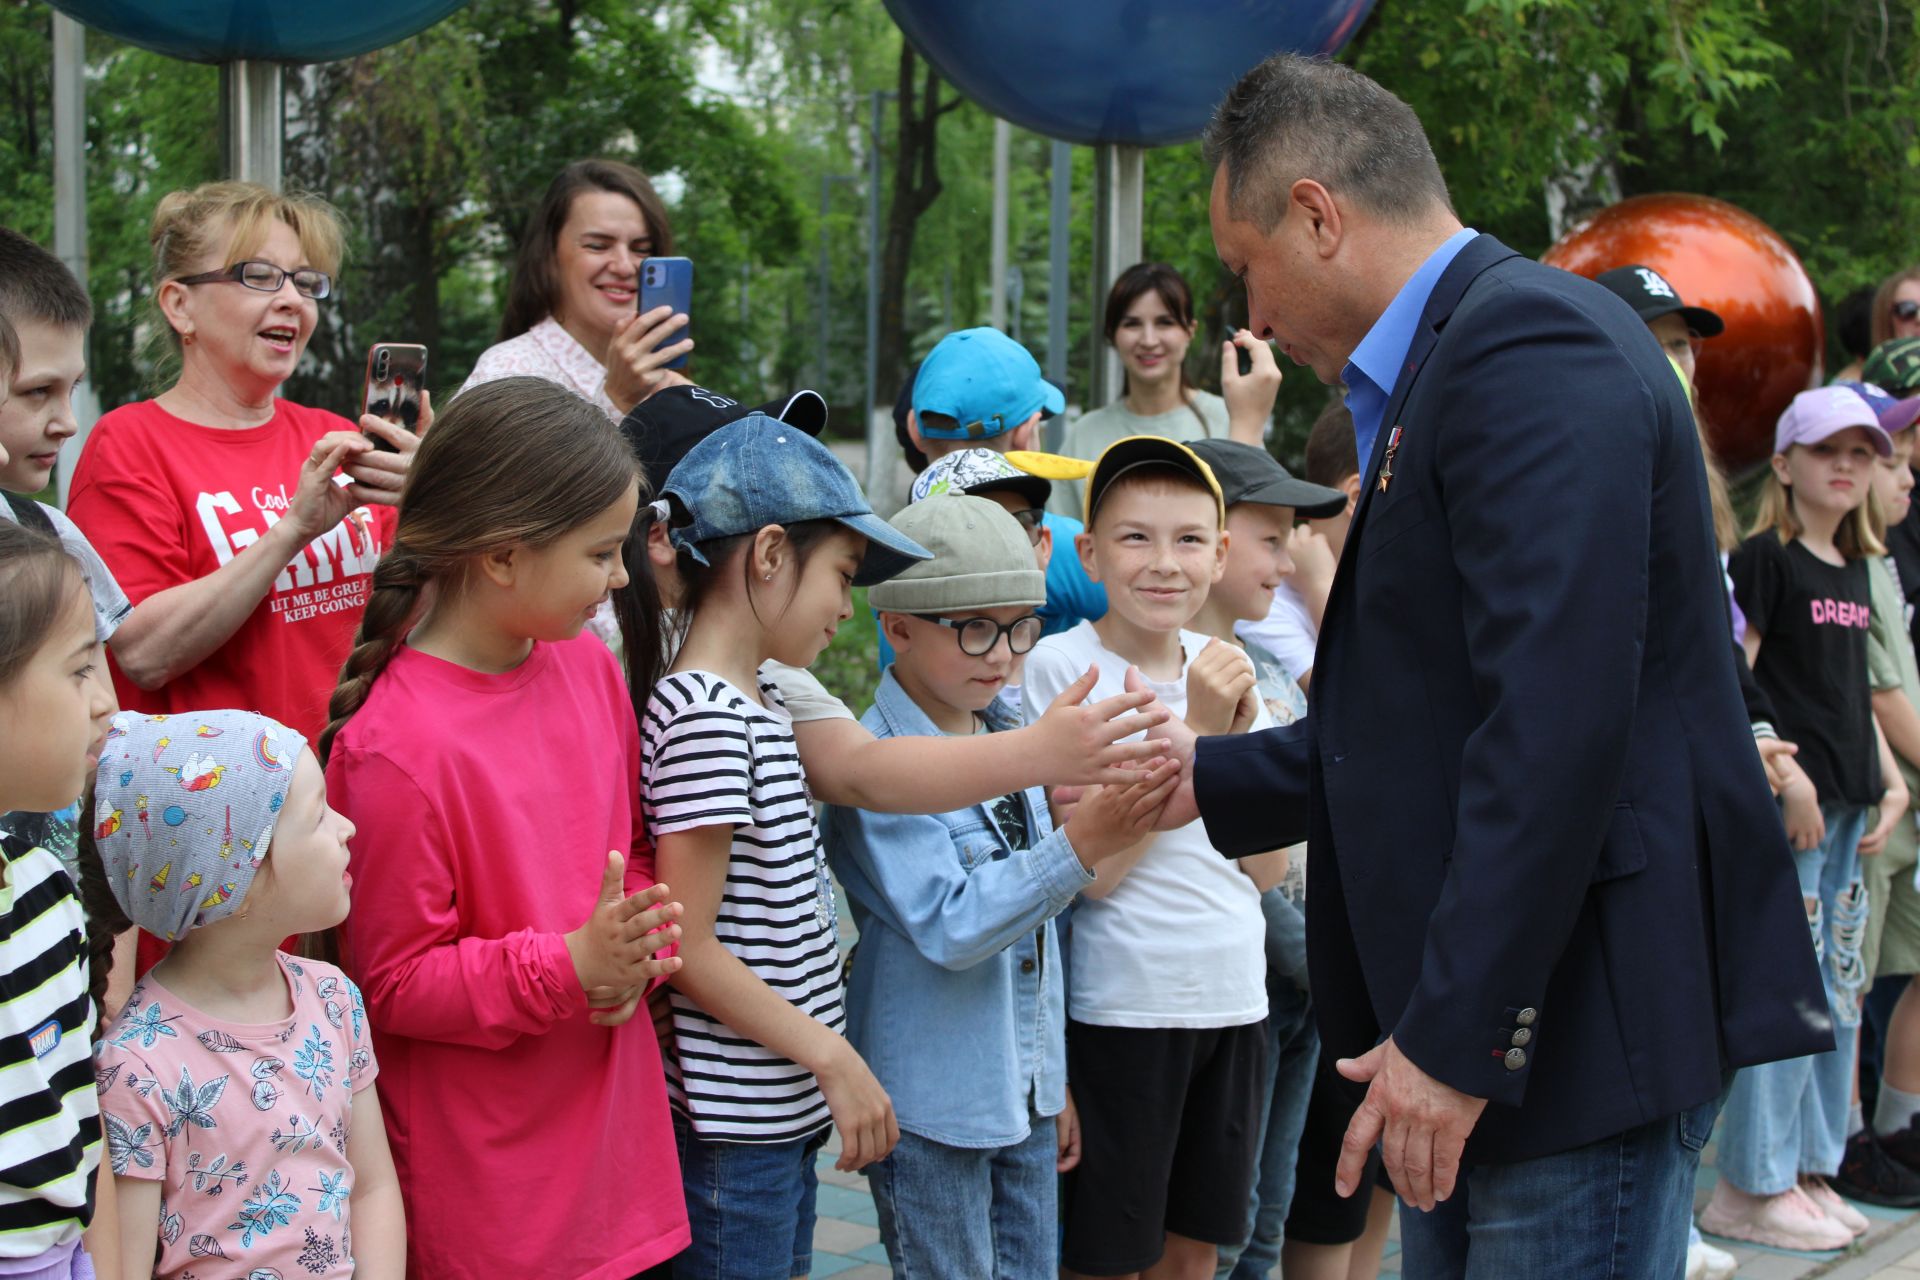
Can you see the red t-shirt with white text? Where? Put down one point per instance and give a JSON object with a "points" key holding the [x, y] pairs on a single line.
{"points": [[166, 501]]}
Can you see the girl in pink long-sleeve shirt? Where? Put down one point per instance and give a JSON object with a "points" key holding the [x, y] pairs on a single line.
{"points": [[505, 919]]}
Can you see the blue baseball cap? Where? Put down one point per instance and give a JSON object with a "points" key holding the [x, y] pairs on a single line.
{"points": [[984, 380], [759, 471]]}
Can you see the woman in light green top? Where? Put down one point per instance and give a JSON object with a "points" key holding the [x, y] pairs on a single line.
{"points": [[1150, 323]]}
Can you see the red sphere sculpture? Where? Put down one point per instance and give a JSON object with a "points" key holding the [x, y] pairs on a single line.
{"points": [[1723, 258]]}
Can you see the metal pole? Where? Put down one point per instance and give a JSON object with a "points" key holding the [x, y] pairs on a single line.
{"points": [[882, 451], [1118, 215], [254, 110], [997, 246], [70, 203], [1059, 245], [820, 364]]}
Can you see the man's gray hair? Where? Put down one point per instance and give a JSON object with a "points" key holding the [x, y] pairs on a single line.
{"points": [[1293, 117]]}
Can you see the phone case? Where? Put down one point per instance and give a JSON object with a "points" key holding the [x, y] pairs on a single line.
{"points": [[395, 373], [669, 282]]}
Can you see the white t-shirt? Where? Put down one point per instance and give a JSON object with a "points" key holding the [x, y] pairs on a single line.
{"points": [[1181, 941], [1287, 632], [712, 756]]}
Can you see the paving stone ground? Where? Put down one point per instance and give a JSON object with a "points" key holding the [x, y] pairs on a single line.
{"points": [[846, 1241]]}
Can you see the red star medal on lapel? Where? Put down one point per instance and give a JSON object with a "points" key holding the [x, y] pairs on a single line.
{"points": [[1386, 463]]}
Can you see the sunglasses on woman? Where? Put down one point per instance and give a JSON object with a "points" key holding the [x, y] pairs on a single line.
{"points": [[267, 278], [1906, 309]]}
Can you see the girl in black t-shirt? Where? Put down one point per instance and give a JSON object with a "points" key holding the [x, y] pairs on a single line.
{"points": [[1801, 581]]}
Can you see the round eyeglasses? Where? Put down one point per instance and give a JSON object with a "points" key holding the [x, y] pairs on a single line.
{"points": [[977, 636], [267, 278]]}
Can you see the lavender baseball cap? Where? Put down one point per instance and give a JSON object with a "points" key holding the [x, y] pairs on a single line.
{"points": [[1815, 415]]}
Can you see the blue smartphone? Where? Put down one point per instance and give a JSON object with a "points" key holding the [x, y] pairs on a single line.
{"points": [[669, 282]]}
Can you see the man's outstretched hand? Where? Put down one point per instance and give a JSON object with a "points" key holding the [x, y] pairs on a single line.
{"points": [[1420, 1124], [1174, 741]]}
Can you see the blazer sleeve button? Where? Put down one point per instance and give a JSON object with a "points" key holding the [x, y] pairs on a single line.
{"points": [[1516, 1059]]}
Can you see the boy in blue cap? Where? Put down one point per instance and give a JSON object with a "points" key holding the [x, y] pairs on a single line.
{"points": [[978, 390]]}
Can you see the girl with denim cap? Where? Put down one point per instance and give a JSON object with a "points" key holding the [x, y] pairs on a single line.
{"points": [[508, 916], [956, 994], [234, 1067], [772, 535]]}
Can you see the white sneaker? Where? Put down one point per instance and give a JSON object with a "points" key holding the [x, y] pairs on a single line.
{"points": [[1786, 1221], [1834, 1206], [1705, 1262]]}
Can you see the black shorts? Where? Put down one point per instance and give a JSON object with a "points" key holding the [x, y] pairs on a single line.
{"points": [[1169, 1137], [1319, 1214]]}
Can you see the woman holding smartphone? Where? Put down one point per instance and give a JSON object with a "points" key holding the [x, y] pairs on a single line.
{"points": [[1149, 323], [246, 525], [572, 306]]}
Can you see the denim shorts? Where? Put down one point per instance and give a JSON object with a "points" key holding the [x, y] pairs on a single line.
{"points": [[750, 1206]]}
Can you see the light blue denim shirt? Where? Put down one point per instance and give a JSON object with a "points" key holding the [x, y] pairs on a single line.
{"points": [[956, 999]]}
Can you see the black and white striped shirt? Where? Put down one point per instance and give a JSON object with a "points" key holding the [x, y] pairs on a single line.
{"points": [[49, 1111], [714, 757]]}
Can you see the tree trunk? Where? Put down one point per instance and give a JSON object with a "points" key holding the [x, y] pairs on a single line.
{"points": [[916, 185]]}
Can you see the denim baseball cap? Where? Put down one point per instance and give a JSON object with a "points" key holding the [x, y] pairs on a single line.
{"points": [[1896, 413], [758, 471], [1826, 411], [988, 383]]}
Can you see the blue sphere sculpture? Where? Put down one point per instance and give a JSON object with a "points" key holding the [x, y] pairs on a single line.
{"points": [[1119, 71], [273, 31]]}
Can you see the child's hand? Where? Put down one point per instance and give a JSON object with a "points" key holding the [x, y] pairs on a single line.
{"points": [[1080, 746], [615, 947], [861, 1110], [1776, 757], [1313, 566], [1107, 820], [612, 1006], [1893, 807], [1066, 1131], [1218, 680], [1800, 807]]}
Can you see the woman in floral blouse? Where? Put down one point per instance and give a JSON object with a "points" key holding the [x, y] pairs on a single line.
{"points": [[572, 314]]}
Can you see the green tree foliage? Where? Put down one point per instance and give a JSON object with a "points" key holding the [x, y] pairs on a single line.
{"points": [[437, 149]]}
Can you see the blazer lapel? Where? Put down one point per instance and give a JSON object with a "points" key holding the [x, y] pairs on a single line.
{"points": [[1476, 256]]}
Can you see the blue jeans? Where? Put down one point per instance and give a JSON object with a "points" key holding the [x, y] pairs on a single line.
{"points": [[1616, 1209], [750, 1205], [1784, 1119], [965, 1213], [1293, 1049]]}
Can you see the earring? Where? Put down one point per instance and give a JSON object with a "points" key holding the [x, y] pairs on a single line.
{"points": [[769, 577], [186, 339]]}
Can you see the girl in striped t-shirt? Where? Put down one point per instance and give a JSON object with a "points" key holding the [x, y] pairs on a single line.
{"points": [[772, 534], [56, 706]]}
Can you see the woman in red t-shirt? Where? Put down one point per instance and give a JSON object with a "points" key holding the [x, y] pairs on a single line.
{"points": [[218, 506]]}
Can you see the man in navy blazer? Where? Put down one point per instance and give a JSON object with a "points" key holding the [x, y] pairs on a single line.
{"points": [[1551, 903]]}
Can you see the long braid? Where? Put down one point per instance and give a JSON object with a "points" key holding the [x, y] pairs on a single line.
{"points": [[392, 603], [105, 920]]}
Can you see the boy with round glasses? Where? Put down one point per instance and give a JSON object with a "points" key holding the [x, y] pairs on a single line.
{"points": [[955, 998]]}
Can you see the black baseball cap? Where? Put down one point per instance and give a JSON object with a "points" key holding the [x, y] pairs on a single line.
{"points": [[664, 427], [1649, 294], [1248, 473]]}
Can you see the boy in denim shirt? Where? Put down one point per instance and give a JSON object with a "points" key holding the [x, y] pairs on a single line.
{"points": [[955, 998]]}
